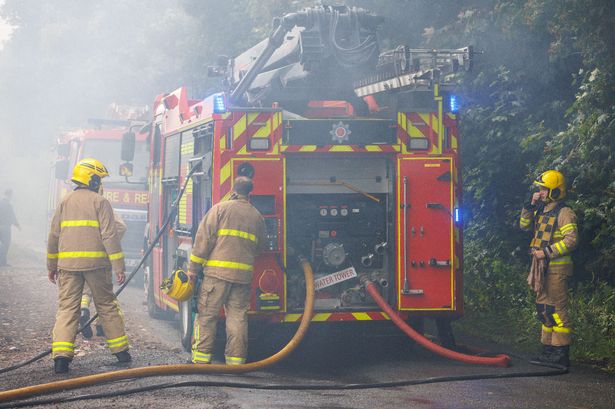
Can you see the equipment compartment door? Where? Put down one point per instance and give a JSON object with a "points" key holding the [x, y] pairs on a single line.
{"points": [[425, 250]]}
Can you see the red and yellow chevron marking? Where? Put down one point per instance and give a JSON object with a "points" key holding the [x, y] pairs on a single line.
{"points": [[340, 148], [340, 316], [424, 125], [185, 205], [245, 126], [450, 121]]}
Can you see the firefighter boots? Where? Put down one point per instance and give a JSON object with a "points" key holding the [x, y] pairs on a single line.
{"points": [[545, 354], [60, 364], [560, 356], [123, 356], [553, 355], [83, 319]]}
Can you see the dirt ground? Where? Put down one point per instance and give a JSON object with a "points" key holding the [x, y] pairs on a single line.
{"points": [[26, 320]]}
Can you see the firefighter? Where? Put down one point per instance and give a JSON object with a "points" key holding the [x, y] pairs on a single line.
{"points": [[555, 237], [86, 299], [7, 220], [229, 237], [84, 247]]}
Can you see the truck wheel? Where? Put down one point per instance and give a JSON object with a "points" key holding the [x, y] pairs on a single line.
{"points": [[445, 333], [186, 323]]}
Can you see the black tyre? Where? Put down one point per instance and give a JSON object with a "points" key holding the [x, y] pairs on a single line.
{"points": [[186, 323], [445, 333]]}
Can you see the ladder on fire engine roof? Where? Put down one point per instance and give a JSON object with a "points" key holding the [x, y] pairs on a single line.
{"points": [[415, 69]]}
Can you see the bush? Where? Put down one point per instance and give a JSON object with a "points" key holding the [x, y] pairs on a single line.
{"points": [[592, 309]]}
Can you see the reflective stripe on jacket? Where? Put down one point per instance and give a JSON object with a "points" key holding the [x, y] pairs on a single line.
{"points": [[563, 241], [229, 237], [84, 234]]}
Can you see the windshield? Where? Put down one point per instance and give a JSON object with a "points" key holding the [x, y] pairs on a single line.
{"points": [[109, 153]]}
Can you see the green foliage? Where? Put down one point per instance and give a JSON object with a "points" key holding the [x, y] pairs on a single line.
{"points": [[542, 97], [592, 307]]}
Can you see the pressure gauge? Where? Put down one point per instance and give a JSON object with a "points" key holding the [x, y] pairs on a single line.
{"points": [[323, 211], [333, 212], [344, 212]]}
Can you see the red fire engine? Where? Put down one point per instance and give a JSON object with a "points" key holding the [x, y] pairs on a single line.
{"points": [[354, 156], [127, 193]]}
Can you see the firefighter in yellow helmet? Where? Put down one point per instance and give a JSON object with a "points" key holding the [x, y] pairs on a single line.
{"points": [[229, 237], [555, 236], [84, 247]]}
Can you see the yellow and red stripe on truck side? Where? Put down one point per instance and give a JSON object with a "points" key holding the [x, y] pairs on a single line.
{"points": [[340, 148], [340, 316]]}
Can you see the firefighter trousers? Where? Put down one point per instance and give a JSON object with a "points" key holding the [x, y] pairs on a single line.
{"points": [[70, 289], [235, 298], [86, 300], [552, 308]]}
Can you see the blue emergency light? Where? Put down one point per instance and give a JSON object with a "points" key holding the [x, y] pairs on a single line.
{"points": [[453, 103], [219, 104], [457, 215]]}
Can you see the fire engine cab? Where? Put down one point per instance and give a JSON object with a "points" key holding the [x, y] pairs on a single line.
{"points": [[354, 157]]}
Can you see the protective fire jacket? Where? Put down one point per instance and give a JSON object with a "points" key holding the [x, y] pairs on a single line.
{"points": [[555, 232], [83, 234], [229, 237]]}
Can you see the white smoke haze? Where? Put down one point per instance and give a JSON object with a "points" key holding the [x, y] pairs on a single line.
{"points": [[6, 29], [65, 61]]}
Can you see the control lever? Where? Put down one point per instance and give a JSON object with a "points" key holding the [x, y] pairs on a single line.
{"points": [[406, 288], [435, 206], [439, 263]]}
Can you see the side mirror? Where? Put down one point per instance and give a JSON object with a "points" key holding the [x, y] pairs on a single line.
{"points": [[63, 149], [126, 169], [62, 169], [128, 146]]}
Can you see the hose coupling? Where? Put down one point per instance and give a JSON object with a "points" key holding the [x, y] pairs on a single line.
{"points": [[368, 260], [380, 248]]}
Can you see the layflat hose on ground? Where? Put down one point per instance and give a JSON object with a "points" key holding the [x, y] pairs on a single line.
{"points": [[180, 369], [499, 360]]}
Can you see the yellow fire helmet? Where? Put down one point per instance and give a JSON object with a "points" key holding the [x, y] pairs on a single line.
{"points": [[555, 182], [178, 286], [89, 172]]}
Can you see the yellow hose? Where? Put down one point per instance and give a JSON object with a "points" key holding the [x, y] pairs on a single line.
{"points": [[180, 369]]}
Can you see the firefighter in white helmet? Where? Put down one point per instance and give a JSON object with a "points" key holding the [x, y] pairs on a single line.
{"points": [[229, 237], [555, 237], [84, 247]]}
